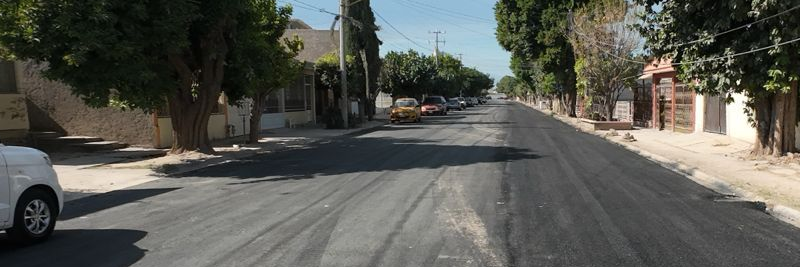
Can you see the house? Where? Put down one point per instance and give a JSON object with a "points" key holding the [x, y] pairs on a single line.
{"points": [[688, 112]]}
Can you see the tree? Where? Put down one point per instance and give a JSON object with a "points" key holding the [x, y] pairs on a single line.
{"points": [[140, 53], [506, 85], [260, 63], [533, 31], [409, 74], [475, 82], [329, 77], [603, 42], [449, 79], [684, 31], [363, 44]]}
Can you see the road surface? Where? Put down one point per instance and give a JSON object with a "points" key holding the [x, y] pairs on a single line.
{"points": [[497, 185]]}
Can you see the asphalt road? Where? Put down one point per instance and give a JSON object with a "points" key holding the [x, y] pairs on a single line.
{"points": [[498, 185]]}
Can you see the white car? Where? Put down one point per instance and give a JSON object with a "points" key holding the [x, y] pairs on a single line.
{"points": [[30, 196]]}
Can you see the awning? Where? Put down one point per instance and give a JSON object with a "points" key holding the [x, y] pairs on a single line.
{"points": [[646, 77]]}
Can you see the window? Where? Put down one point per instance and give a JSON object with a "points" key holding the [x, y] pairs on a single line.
{"points": [[8, 83], [272, 104], [296, 96]]}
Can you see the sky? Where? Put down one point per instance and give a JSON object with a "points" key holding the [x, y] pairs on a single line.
{"points": [[469, 27]]}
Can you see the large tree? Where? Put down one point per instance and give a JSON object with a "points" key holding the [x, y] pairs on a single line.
{"points": [[695, 35], [475, 82], [142, 53], [506, 85], [603, 42], [534, 32], [408, 74], [362, 43], [260, 62]]}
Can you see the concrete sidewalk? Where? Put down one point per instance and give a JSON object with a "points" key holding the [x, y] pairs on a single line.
{"points": [[718, 162], [84, 174]]}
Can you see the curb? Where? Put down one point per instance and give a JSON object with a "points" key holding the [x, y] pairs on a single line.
{"points": [[781, 212]]}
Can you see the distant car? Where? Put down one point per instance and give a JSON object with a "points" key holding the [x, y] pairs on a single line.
{"points": [[453, 104], [434, 105], [472, 101], [30, 196], [482, 100], [406, 109], [488, 97], [463, 102]]}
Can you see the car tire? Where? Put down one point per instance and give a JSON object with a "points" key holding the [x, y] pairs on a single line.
{"points": [[34, 202]]}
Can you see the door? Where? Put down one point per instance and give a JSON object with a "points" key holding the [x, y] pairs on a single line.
{"points": [[715, 115], [5, 198]]}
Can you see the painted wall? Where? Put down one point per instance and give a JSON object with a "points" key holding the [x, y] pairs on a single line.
{"points": [[299, 117], [13, 116], [738, 125], [53, 107], [235, 119], [273, 121], [699, 113]]}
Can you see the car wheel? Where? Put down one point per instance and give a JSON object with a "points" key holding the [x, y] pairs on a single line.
{"points": [[34, 217]]}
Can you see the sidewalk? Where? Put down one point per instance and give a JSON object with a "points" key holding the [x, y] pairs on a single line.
{"points": [[83, 174], [720, 163]]}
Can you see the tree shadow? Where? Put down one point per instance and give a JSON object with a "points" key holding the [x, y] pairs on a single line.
{"points": [[91, 204], [76, 248], [358, 155]]}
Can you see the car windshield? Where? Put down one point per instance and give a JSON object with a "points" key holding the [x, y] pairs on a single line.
{"points": [[452, 101], [405, 103], [432, 100]]}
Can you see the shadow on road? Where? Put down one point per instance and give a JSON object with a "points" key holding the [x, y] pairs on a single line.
{"points": [[361, 155], [76, 248], [95, 203]]}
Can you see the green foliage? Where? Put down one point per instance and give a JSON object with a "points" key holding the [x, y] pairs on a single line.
{"points": [[260, 63], [506, 85], [407, 73], [97, 45], [534, 32], [670, 28], [361, 36], [329, 75], [475, 82]]}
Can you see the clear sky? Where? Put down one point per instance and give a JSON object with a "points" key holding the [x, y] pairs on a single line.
{"points": [[469, 27]]}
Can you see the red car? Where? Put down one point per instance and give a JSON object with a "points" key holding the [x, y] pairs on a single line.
{"points": [[434, 105]]}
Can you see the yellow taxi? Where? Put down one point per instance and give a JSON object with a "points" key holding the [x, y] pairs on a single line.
{"points": [[406, 109]]}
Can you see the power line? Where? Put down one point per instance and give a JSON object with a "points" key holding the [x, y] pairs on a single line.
{"points": [[398, 31], [447, 12], [458, 25]]}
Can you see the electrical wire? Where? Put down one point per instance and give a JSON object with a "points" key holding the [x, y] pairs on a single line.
{"points": [[448, 12], [458, 25], [398, 31], [737, 28]]}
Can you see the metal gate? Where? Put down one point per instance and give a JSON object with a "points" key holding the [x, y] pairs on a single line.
{"points": [[715, 113], [664, 90], [684, 108]]}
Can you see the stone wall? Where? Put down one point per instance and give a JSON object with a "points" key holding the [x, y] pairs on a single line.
{"points": [[52, 107]]}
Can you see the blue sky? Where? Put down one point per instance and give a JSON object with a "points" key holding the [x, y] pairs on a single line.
{"points": [[469, 27]]}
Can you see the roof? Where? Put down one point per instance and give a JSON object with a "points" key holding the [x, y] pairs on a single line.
{"points": [[316, 43], [658, 66], [297, 24]]}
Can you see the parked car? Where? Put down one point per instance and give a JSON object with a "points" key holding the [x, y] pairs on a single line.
{"points": [[482, 100], [463, 102], [30, 196], [406, 109], [434, 105], [453, 104], [472, 101]]}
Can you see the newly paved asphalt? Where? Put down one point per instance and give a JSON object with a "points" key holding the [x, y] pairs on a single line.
{"points": [[498, 185]]}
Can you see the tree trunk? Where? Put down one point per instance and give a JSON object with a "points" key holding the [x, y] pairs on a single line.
{"points": [[201, 71], [776, 119], [256, 111]]}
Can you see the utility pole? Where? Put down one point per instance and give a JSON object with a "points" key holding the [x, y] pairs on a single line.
{"points": [[345, 106], [460, 56], [436, 45]]}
